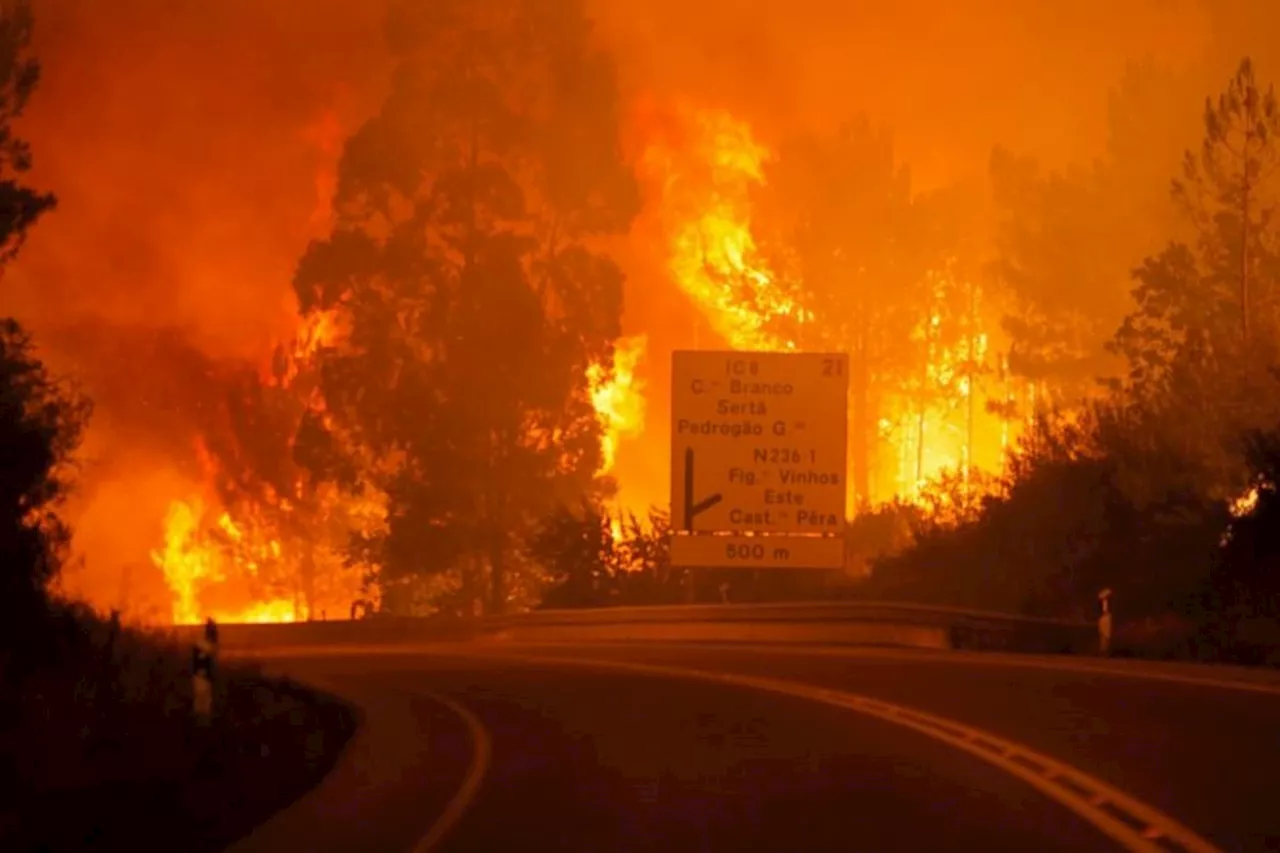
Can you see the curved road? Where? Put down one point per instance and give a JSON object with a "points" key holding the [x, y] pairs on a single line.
{"points": [[697, 748]]}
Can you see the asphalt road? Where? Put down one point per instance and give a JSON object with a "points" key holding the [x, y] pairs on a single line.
{"points": [[472, 753]]}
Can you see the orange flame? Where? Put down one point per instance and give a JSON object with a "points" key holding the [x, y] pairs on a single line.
{"points": [[618, 398], [230, 563], [261, 613], [1244, 503], [704, 165], [192, 563], [316, 331], [238, 572], [705, 185], [185, 565], [932, 431]]}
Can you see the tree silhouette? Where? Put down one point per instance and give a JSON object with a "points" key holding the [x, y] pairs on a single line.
{"points": [[1202, 335], [20, 206], [840, 209], [40, 425], [582, 558], [41, 421], [464, 269]]}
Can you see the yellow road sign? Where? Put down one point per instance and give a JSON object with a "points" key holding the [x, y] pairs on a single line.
{"points": [[758, 442], [758, 552]]}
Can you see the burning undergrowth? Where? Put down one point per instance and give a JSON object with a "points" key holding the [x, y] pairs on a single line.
{"points": [[261, 529]]}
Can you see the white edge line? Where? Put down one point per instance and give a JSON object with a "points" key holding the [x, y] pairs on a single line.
{"points": [[481, 756], [1118, 831]]}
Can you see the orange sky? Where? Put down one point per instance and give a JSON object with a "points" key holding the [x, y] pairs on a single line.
{"points": [[182, 139], [187, 143], [952, 78]]}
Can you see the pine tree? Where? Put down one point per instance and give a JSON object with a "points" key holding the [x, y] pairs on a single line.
{"points": [[1203, 335], [1206, 300]]}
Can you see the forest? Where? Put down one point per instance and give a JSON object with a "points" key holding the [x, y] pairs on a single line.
{"points": [[1062, 376]]}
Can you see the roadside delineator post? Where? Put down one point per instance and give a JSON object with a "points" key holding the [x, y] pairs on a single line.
{"points": [[203, 659], [1104, 622]]}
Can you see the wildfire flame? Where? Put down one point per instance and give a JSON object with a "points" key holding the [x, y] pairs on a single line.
{"points": [[1245, 503], [1241, 506], [703, 166], [192, 562], [239, 570], [231, 563], [705, 171], [184, 565], [618, 399], [933, 430]]}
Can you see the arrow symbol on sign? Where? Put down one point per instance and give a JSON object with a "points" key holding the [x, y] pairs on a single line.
{"points": [[691, 509]]}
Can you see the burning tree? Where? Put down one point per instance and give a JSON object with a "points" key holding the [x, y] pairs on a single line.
{"points": [[617, 397], [288, 505], [824, 245], [875, 271], [706, 163], [479, 318], [256, 536]]}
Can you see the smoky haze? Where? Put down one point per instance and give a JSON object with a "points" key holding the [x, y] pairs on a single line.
{"points": [[192, 147], [952, 79]]}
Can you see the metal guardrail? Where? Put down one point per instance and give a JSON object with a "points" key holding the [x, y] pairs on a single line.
{"points": [[965, 629], [821, 611]]}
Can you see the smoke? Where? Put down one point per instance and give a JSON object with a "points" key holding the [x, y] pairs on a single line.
{"points": [[184, 140], [952, 78], [192, 147]]}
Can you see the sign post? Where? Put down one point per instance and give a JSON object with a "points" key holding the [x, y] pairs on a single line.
{"points": [[1104, 621], [758, 467]]}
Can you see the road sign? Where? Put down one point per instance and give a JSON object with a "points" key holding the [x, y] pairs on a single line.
{"points": [[758, 552], [758, 442]]}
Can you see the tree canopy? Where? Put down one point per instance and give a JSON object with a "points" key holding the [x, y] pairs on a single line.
{"points": [[464, 273], [1161, 488]]}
